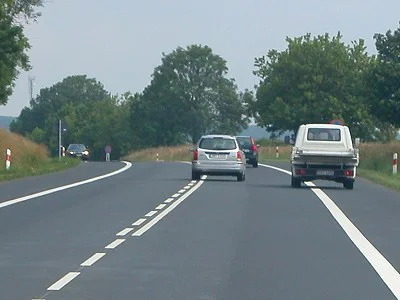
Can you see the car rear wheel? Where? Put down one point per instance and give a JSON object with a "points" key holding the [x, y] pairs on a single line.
{"points": [[296, 183], [241, 177], [195, 175]]}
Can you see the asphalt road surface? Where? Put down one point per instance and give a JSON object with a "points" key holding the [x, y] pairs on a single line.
{"points": [[147, 231]]}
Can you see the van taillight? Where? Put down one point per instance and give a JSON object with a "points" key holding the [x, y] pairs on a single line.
{"points": [[195, 154], [300, 172], [348, 173], [239, 155]]}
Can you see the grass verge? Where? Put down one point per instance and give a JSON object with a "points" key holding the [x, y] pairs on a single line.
{"points": [[48, 166], [28, 158], [375, 158]]}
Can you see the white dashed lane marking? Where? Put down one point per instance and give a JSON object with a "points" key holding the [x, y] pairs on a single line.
{"points": [[139, 222], [180, 196], [114, 244], [124, 231], [169, 200], [63, 281], [90, 261], [166, 211], [151, 213], [161, 206]]}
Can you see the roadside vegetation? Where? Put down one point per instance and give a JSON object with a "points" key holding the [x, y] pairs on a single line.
{"points": [[375, 158], [28, 158], [316, 79]]}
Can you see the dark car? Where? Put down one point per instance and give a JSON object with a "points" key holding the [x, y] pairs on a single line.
{"points": [[250, 149], [78, 150]]}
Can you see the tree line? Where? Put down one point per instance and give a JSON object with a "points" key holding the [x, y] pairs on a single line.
{"points": [[315, 79]]}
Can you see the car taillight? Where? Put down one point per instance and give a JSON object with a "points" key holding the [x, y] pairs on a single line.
{"points": [[239, 155], [195, 154], [254, 148]]}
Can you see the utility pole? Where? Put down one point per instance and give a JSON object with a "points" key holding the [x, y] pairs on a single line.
{"points": [[31, 79], [59, 138]]}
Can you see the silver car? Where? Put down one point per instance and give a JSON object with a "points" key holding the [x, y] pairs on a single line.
{"points": [[218, 155]]}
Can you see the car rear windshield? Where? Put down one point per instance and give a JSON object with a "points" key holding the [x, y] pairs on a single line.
{"points": [[323, 134], [217, 143], [245, 142]]}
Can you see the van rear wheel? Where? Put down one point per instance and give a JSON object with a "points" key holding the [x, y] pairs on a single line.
{"points": [[296, 183], [348, 185]]}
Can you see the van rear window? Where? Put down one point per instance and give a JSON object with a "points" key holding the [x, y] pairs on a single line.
{"points": [[323, 134]]}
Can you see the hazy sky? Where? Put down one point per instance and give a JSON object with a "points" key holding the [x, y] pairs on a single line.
{"points": [[119, 42]]}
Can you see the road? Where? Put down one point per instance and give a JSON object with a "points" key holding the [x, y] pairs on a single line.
{"points": [[148, 232]]}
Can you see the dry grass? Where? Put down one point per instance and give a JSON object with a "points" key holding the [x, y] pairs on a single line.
{"points": [[23, 151], [28, 158], [176, 153]]}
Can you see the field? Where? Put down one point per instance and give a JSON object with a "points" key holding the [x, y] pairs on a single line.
{"points": [[375, 158], [27, 158]]}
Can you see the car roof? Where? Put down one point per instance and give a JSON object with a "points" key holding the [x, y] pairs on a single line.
{"points": [[218, 136], [243, 136]]}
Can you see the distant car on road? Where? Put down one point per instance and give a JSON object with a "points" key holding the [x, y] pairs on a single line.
{"points": [[218, 155], [78, 150], [250, 149]]}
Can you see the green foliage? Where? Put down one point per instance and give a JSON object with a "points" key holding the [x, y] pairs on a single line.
{"points": [[91, 115], [384, 79], [13, 43], [37, 135], [189, 95], [314, 80]]}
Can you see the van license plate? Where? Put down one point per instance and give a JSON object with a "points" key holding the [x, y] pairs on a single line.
{"points": [[325, 172]]}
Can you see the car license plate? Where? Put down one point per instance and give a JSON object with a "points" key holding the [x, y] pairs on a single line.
{"points": [[219, 156], [325, 172]]}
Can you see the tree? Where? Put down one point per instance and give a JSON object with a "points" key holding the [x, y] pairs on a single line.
{"points": [[82, 103], [314, 80], [189, 95], [13, 43], [384, 79]]}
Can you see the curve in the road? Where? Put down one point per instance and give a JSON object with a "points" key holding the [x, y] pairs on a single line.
{"points": [[65, 187]]}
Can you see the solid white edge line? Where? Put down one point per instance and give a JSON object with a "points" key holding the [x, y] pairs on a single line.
{"points": [[167, 210], [91, 260], [138, 222], [150, 213], [58, 285], [115, 244], [124, 231], [65, 187], [161, 206], [382, 266], [169, 200]]}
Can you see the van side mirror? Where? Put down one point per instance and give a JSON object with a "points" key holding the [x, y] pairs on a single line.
{"points": [[258, 145], [191, 149], [357, 143]]}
